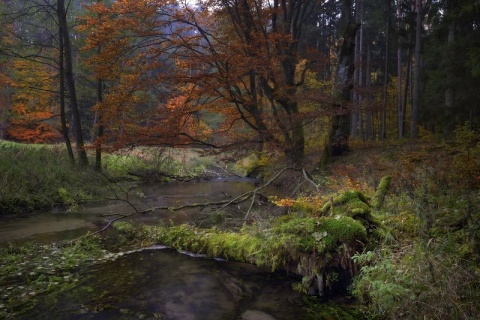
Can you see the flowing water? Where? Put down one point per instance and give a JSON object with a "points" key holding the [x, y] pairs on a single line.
{"points": [[165, 284], [57, 225], [158, 282]]}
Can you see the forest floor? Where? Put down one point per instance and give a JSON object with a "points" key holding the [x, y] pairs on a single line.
{"points": [[426, 261], [425, 264]]}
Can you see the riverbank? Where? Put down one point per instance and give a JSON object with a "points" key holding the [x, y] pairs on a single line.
{"points": [[36, 176], [424, 258]]}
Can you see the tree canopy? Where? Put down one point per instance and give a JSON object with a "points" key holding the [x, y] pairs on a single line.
{"points": [[260, 75]]}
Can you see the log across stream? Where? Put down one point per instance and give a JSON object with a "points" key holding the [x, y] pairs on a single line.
{"points": [[158, 282]]}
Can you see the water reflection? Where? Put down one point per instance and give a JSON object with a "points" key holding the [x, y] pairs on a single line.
{"points": [[57, 225], [164, 284]]}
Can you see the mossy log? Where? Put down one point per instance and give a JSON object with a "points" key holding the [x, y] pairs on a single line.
{"points": [[317, 248], [381, 191], [351, 203]]}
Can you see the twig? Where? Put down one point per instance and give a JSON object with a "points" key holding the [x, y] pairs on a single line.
{"points": [[251, 205], [110, 223], [309, 178], [224, 203]]}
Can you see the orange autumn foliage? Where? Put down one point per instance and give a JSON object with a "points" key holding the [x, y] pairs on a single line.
{"points": [[31, 116], [196, 62], [123, 37]]}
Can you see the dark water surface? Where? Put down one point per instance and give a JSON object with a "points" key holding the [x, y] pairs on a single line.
{"points": [[164, 284], [57, 225], [158, 283]]}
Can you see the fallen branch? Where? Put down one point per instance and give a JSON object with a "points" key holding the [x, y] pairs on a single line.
{"points": [[223, 203], [309, 178], [144, 175]]}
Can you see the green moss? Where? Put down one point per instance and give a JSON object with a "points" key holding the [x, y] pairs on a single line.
{"points": [[352, 203], [309, 245], [342, 229], [381, 191]]}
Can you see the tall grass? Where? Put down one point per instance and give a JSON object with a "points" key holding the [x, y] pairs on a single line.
{"points": [[40, 176]]}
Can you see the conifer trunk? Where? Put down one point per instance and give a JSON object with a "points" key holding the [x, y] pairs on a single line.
{"points": [[416, 74], [340, 126], [400, 111], [383, 133]]}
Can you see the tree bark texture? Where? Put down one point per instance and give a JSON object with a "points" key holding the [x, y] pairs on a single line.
{"points": [[416, 73], [63, 117], [340, 126], [80, 145]]}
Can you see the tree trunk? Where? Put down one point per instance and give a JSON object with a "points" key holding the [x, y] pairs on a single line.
{"points": [[340, 126], [296, 151], [80, 145], [369, 132], [354, 126], [361, 73], [449, 93], [4, 107], [405, 92], [383, 134], [63, 120], [100, 128], [416, 93], [400, 111]]}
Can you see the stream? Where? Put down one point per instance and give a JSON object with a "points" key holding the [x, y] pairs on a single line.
{"points": [[58, 225], [158, 282]]}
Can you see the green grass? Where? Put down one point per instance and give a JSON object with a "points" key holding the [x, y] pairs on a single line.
{"points": [[36, 177], [40, 176]]}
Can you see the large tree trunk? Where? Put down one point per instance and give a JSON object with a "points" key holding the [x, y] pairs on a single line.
{"points": [[369, 130], [400, 110], [355, 117], [63, 117], [295, 138], [80, 145], [383, 131], [449, 93], [340, 126], [403, 112], [361, 73], [99, 122], [416, 73]]}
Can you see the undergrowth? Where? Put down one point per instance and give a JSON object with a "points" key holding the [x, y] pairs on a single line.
{"points": [[426, 264], [39, 176]]}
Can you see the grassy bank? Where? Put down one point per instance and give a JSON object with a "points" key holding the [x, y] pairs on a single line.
{"points": [[34, 176], [412, 245], [40, 176]]}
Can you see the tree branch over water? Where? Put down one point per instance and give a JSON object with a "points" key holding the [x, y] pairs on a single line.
{"points": [[223, 203]]}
